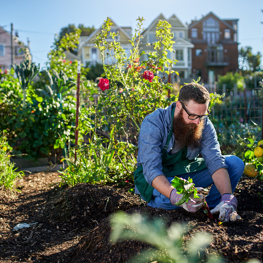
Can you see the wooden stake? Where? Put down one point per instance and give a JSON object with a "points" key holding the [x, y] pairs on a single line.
{"points": [[77, 114]]}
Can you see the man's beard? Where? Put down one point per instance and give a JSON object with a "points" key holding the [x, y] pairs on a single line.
{"points": [[187, 134]]}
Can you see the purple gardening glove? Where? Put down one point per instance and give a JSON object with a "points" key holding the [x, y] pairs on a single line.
{"points": [[193, 204], [227, 208]]}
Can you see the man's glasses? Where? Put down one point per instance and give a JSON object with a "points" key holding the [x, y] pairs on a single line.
{"points": [[194, 116]]}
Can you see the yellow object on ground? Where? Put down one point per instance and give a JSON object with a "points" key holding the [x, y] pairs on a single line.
{"points": [[260, 142], [258, 151], [250, 170]]}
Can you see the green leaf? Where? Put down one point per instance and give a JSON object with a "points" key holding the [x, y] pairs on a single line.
{"points": [[39, 99], [249, 154]]}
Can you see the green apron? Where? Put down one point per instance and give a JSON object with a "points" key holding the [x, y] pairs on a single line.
{"points": [[173, 165]]}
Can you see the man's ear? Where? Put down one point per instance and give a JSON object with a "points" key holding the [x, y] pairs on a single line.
{"points": [[178, 105]]}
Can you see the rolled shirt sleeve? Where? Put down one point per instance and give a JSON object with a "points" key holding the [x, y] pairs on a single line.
{"points": [[210, 149]]}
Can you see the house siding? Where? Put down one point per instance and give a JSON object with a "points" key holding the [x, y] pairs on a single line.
{"points": [[5, 60], [220, 56]]}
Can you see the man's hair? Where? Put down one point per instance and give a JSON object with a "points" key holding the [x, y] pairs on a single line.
{"points": [[194, 91]]}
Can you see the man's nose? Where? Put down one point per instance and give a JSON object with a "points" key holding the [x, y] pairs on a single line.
{"points": [[196, 121]]}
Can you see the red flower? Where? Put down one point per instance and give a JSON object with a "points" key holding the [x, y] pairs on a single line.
{"points": [[5, 71], [103, 84], [64, 60], [148, 75], [32, 111], [70, 62]]}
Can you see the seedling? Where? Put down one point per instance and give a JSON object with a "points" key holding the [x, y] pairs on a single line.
{"points": [[187, 188]]}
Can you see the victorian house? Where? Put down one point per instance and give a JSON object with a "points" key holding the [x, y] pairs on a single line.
{"points": [[215, 49], [90, 55], [181, 48]]}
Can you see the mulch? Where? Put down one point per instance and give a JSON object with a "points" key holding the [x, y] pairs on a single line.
{"points": [[72, 224]]}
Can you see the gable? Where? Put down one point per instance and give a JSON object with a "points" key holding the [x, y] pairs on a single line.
{"points": [[124, 37], [210, 15], [175, 21], [183, 42]]}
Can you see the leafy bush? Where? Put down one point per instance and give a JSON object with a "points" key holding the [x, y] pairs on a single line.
{"points": [[168, 243], [101, 160], [7, 171], [230, 80]]}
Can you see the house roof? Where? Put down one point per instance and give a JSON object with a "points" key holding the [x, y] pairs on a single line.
{"points": [[185, 43], [88, 38], [176, 22], [173, 20], [211, 13]]}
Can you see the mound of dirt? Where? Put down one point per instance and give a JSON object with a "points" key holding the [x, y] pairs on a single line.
{"points": [[72, 225], [235, 241]]}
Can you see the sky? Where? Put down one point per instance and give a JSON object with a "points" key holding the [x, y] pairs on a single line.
{"points": [[39, 21]]}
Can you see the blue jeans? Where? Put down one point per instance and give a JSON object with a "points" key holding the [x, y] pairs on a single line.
{"points": [[203, 179]]}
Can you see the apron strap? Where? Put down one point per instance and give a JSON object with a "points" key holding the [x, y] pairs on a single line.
{"points": [[171, 131]]}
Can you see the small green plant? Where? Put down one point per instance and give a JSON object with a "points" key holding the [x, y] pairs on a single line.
{"points": [[168, 243], [7, 172], [185, 188]]}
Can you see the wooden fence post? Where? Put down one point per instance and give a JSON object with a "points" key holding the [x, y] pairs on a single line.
{"points": [[77, 114]]}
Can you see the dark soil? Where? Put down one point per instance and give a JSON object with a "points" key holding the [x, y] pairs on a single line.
{"points": [[72, 224]]}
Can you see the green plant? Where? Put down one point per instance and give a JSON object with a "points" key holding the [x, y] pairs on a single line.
{"points": [[102, 160], [185, 188], [133, 93], [26, 72], [251, 156], [8, 173], [168, 243]]}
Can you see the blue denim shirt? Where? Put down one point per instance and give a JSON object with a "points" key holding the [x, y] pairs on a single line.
{"points": [[153, 136]]}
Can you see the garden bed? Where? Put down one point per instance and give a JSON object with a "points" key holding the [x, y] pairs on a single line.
{"points": [[72, 223]]}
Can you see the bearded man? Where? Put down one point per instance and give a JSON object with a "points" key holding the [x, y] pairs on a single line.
{"points": [[170, 143]]}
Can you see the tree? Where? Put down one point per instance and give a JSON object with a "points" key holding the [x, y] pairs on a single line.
{"points": [[71, 28], [85, 31], [248, 61]]}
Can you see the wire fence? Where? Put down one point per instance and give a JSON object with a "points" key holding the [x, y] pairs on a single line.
{"points": [[238, 115]]}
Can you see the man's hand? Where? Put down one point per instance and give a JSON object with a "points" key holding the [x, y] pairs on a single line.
{"points": [[227, 208], [193, 204]]}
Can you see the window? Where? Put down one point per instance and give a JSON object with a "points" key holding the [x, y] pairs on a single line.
{"points": [[227, 34], [2, 50], [211, 30], [93, 56], [151, 37], [198, 52], [179, 55], [181, 34], [194, 33]]}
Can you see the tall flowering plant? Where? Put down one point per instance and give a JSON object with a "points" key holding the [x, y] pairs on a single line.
{"points": [[133, 86]]}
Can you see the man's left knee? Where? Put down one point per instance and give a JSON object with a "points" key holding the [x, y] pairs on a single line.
{"points": [[234, 162]]}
